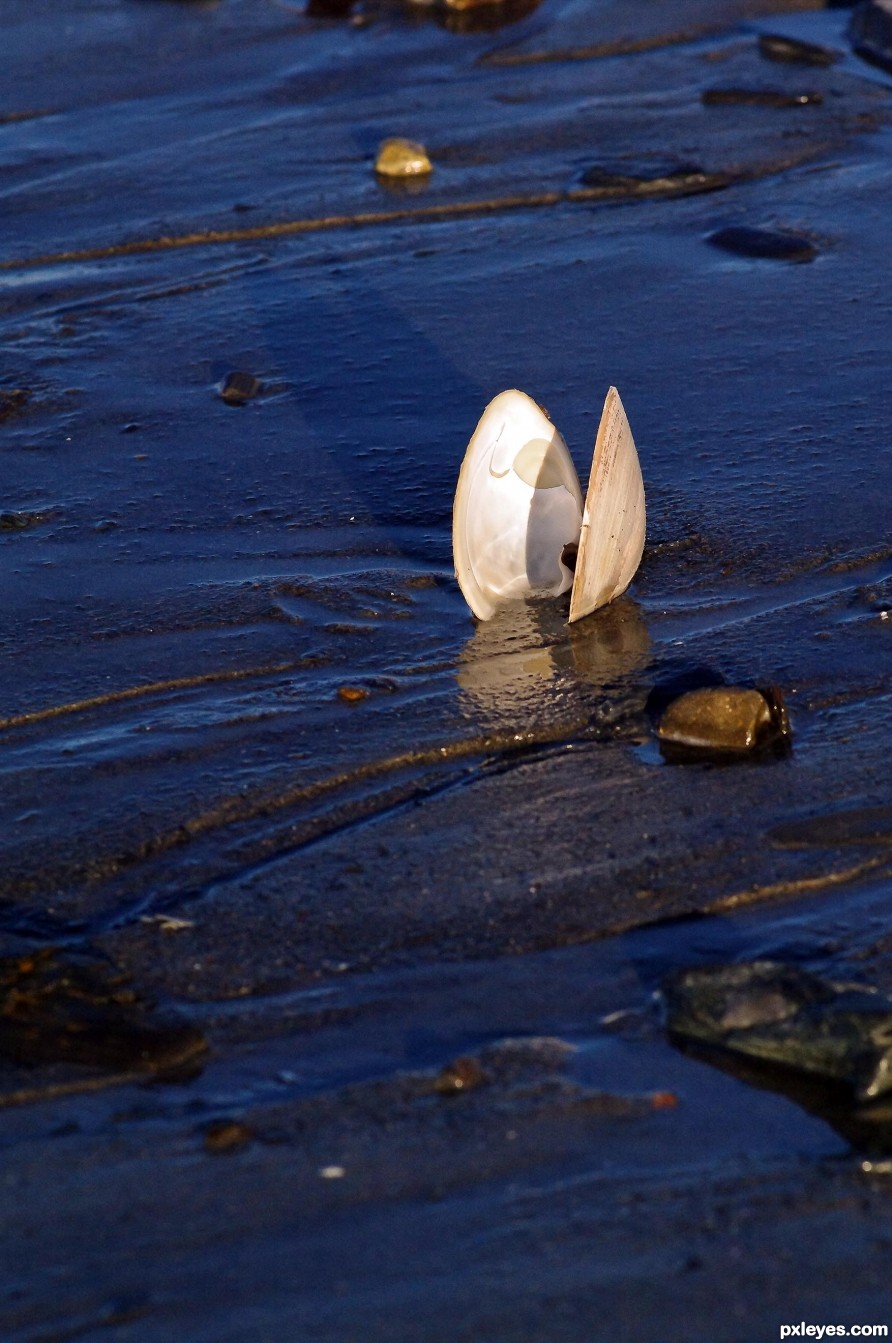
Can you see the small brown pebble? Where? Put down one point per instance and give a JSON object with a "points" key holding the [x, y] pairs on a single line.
{"points": [[226, 1135], [720, 719], [238, 388], [402, 158], [462, 1074], [352, 694]]}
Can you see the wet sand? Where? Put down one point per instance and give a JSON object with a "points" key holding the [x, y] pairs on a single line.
{"points": [[483, 854]]}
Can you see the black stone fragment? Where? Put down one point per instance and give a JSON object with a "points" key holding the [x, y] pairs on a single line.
{"points": [[55, 1010], [763, 244], [790, 51], [237, 388], [870, 33], [759, 98]]}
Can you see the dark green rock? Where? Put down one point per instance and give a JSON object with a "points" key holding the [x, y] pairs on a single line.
{"points": [[789, 1017]]}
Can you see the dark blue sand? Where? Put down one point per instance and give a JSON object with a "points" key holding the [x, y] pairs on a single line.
{"points": [[485, 846]]}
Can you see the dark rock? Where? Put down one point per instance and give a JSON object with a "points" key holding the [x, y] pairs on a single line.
{"points": [[870, 33], [723, 721], [786, 1016], [790, 51], [763, 244], [237, 388], [759, 98]]}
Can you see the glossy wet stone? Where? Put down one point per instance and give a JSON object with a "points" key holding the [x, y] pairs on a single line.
{"points": [[58, 1010], [398, 157], [763, 244], [788, 1016], [721, 719], [790, 51], [240, 387]]}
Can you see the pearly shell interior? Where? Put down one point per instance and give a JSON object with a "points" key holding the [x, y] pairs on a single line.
{"points": [[518, 507]]}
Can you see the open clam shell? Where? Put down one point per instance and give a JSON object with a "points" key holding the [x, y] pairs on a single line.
{"points": [[517, 505], [519, 514]]}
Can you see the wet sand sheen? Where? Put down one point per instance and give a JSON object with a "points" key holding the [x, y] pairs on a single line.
{"points": [[259, 759]]}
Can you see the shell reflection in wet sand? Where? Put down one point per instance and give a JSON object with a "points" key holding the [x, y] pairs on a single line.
{"points": [[509, 667]]}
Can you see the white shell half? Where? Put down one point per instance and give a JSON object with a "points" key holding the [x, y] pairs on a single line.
{"points": [[517, 504], [613, 521]]}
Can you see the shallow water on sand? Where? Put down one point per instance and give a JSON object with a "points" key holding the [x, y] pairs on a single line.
{"points": [[483, 843]]}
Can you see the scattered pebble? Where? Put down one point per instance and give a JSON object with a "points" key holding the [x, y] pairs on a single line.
{"points": [[723, 720], [759, 98], [352, 694], [237, 388], [332, 1172], [462, 1074], [790, 51], [763, 244], [225, 1136], [402, 158]]}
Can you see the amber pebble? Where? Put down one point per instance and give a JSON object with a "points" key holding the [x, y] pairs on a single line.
{"points": [[721, 718], [238, 388], [226, 1135], [402, 158], [462, 1074], [352, 694]]}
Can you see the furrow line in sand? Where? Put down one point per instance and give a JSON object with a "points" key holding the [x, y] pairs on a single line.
{"points": [[666, 188]]}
